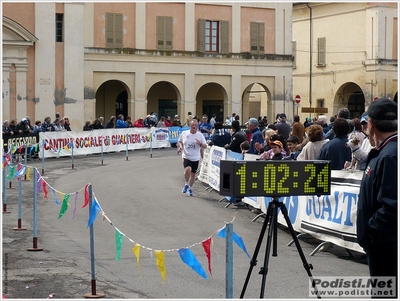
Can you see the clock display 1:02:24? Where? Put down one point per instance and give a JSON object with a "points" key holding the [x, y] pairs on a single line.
{"points": [[305, 180]]}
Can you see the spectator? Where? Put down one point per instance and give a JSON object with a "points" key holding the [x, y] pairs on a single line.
{"points": [[342, 113], [129, 122], [233, 117], [153, 118], [276, 147], [87, 126], [323, 121], [212, 120], [47, 126], [23, 126], [120, 122], [176, 121], [263, 147], [138, 123], [298, 128], [237, 118], [228, 121], [358, 129], [58, 127], [101, 120], [244, 147], [336, 150], [110, 123], [238, 136], [67, 125], [96, 124], [294, 147], [268, 154], [189, 118], [220, 137], [161, 122], [282, 126], [377, 206], [168, 121], [331, 120], [147, 121], [37, 127], [308, 122], [315, 142], [7, 129], [256, 135], [205, 127]]}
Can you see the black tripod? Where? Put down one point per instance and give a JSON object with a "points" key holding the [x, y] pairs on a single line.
{"points": [[272, 217]]}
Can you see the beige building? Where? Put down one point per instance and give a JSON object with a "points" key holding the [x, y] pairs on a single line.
{"points": [[345, 55], [87, 60]]}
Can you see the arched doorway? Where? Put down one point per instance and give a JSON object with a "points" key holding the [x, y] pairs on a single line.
{"points": [[256, 101], [163, 99], [350, 96], [111, 100], [210, 100], [356, 104]]}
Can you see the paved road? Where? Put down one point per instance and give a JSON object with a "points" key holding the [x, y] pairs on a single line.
{"points": [[142, 197]]}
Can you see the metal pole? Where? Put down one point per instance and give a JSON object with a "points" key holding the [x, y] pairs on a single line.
{"points": [[126, 143], [35, 180], [4, 192], [43, 158], [19, 223], [26, 158], [229, 261], [102, 155], [93, 281], [72, 155], [151, 145]]}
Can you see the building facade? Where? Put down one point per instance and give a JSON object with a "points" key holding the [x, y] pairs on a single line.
{"points": [[87, 60], [345, 55]]}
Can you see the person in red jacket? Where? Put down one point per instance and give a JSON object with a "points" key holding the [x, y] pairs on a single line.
{"points": [[138, 123]]}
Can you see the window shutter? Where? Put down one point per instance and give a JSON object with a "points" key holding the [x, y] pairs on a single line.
{"points": [[109, 30], [253, 37], [201, 35], [224, 36], [119, 30], [321, 51], [160, 33], [168, 33], [261, 33]]}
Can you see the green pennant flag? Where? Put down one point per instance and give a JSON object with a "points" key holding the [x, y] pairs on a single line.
{"points": [[59, 150], [64, 205], [12, 171], [36, 147], [119, 237]]}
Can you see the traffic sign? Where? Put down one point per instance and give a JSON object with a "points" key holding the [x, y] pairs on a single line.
{"points": [[297, 99]]}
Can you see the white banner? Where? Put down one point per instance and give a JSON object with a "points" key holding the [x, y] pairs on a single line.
{"points": [[329, 218], [106, 140]]}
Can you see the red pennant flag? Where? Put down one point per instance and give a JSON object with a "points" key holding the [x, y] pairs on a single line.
{"points": [[45, 190], [207, 248], [86, 196], [20, 149]]}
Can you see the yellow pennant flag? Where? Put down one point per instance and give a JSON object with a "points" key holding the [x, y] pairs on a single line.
{"points": [[160, 263], [28, 174], [136, 251]]}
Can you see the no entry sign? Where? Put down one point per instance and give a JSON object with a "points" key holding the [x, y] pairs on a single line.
{"points": [[297, 99]]}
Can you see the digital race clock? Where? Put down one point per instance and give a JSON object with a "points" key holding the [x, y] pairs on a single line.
{"points": [[274, 178]]}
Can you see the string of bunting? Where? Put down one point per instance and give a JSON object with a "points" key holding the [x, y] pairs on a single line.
{"points": [[185, 253]]}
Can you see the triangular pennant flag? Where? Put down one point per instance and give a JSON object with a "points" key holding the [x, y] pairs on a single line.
{"points": [[13, 148], [93, 212], [28, 173], [188, 257], [12, 171], [64, 205], [31, 149], [39, 184], [75, 202], [37, 147], [207, 248], [237, 239], [119, 238], [55, 196], [86, 200], [136, 251], [45, 190], [161, 264], [20, 149], [20, 172]]}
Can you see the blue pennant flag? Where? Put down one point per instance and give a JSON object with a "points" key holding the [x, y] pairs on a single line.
{"points": [[237, 239], [93, 212], [188, 257], [20, 172]]}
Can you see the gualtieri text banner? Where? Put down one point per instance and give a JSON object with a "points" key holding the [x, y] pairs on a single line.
{"points": [[105, 140]]}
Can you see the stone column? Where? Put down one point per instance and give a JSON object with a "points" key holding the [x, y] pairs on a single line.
{"points": [[21, 91], [6, 92]]}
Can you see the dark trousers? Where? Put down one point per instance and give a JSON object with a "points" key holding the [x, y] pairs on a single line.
{"points": [[383, 262]]}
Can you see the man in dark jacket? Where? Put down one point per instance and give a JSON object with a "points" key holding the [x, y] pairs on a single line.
{"points": [[238, 136], [23, 126], [282, 126], [336, 150], [256, 135], [377, 201]]}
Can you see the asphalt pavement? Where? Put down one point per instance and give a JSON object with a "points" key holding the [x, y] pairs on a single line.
{"points": [[142, 198]]}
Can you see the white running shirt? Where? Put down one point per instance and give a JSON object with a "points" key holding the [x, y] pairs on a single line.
{"points": [[191, 150]]}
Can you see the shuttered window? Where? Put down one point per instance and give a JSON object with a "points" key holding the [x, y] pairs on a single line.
{"points": [[164, 33], [257, 31], [213, 36], [321, 52], [114, 30]]}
